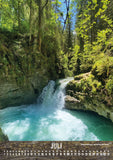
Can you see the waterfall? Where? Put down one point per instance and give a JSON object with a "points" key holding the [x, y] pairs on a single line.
{"points": [[48, 120], [51, 97]]}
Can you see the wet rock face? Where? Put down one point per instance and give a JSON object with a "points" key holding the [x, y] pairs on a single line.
{"points": [[11, 94], [77, 99], [71, 102], [92, 104]]}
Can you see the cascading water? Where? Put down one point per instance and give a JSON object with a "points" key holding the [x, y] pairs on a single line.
{"points": [[48, 120]]}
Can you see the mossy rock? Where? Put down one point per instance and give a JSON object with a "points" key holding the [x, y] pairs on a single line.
{"points": [[78, 77], [71, 86], [85, 83], [109, 85], [3, 137], [82, 76]]}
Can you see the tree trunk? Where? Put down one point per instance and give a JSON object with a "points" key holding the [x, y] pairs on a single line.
{"points": [[1, 12], [30, 22], [19, 15], [40, 25]]}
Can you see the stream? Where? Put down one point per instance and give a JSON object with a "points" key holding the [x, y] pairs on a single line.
{"points": [[48, 120]]}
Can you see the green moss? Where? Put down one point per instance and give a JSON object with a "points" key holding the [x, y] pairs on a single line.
{"points": [[93, 84], [109, 85], [78, 77], [18, 61], [103, 68], [82, 76], [85, 84], [3, 137]]}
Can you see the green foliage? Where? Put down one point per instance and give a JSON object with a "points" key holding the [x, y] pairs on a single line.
{"points": [[73, 64], [103, 68], [75, 60], [109, 85], [32, 38], [91, 84], [94, 29], [86, 64], [93, 48], [62, 65], [21, 22], [85, 84]]}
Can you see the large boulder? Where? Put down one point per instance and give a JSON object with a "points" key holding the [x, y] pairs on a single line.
{"points": [[71, 102]]}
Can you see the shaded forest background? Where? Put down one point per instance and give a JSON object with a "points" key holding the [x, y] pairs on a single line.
{"points": [[36, 34]]}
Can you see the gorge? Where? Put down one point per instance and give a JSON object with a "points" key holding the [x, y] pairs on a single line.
{"points": [[49, 120], [41, 44]]}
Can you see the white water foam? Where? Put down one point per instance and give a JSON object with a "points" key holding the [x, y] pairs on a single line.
{"points": [[46, 120]]}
